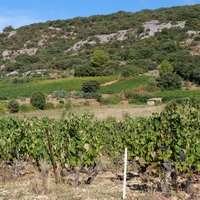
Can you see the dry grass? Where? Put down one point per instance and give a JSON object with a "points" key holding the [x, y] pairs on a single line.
{"points": [[105, 186], [99, 112]]}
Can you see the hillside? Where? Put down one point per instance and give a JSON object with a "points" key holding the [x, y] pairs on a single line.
{"points": [[132, 43], [75, 93]]}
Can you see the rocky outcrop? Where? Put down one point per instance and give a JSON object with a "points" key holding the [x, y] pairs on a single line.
{"points": [[7, 54]]}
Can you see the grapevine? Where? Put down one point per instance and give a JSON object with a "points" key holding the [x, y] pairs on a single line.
{"points": [[169, 140]]}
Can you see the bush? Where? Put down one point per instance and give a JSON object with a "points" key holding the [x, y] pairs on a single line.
{"points": [[3, 105], [78, 94], [92, 95], [8, 28], [152, 81], [128, 70], [169, 81], [129, 94], [18, 80], [49, 106], [13, 106], [60, 105], [2, 111], [134, 101], [90, 86], [86, 103], [68, 104], [26, 108], [38, 100], [142, 98], [61, 101], [110, 100], [136, 97], [61, 94]]}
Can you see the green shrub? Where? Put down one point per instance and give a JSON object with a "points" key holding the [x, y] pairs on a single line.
{"points": [[130, 94], [126, 115], [152, 89], [110, 119], [128, 70], [78, 94], [110, 100], [26, 108], [90, 86], [64, 112], [193, 43], [169, 81], [60, 105], [3, 104], [22, 98], [134, 101], [197, 38], [49, 106], [142, 98], [61, 94], [61, 101], [68, 104], [63, 76], [92, 95], [38, 100], [152, 82], [18, 80], [2, 111], [13, 106], [86, 103]]}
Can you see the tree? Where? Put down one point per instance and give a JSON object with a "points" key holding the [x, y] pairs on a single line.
{"points": [[90, 86], [195, 76], [8, 28], [38, 100], [165, 67], [169, 81], [13, 106], [129, 70], [99, 59]]}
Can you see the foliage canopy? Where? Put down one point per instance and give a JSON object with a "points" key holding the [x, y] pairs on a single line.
{"points": [[38, 100]]}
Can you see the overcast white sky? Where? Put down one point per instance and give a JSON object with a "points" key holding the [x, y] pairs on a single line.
{"points": [[24, 12]]}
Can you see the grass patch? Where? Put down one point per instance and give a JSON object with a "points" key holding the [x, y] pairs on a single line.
{"points": [[178, 94], [9, 90], [110, 100], [3, 106], [127, 84], [26, 108], [99, 112], [50, 105]]}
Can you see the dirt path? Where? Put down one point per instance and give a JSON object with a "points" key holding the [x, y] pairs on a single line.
{"points": [[109, 83]]}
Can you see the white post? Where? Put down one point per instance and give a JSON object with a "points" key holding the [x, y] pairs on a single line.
{"points": [[125, 166]]}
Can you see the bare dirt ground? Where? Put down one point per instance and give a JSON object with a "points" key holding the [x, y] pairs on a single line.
{"points": [[32, 185]]}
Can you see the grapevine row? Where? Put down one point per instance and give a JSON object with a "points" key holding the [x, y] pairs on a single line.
{"points": [[171, 136]]}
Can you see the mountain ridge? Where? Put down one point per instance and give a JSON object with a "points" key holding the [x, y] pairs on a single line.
{"points": [[142, 40]]}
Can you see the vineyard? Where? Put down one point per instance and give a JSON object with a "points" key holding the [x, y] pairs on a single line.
{"points": [[128, 84], [179, 94], [164, 146], [10, 90]]}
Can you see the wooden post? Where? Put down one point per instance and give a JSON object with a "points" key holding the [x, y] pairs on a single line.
{"points": [[52, 157], [125, 168]]}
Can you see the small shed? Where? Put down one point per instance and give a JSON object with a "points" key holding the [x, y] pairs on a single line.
{"points": [[153, 101]]}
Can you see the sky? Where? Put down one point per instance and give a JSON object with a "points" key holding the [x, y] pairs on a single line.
{"points": [[24, 12]]}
